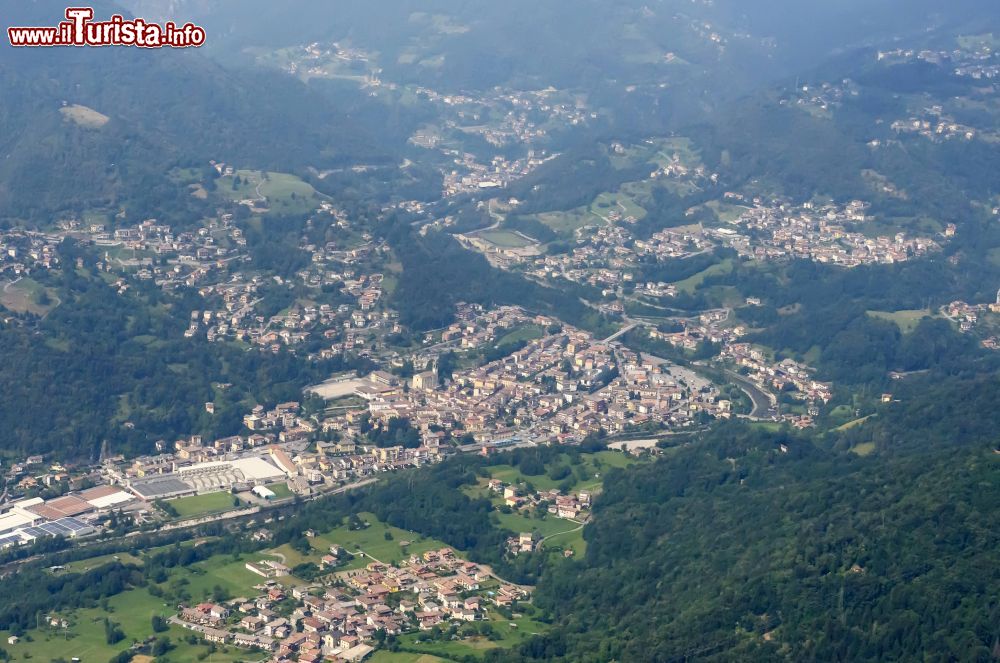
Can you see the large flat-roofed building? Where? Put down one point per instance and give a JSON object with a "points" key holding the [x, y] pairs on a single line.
{"points": [[105, 497], [222, 475], [284, 461], [207, 477], [22, 504], [258, 470], [161, 488], [16, 519], [356, 653], [62, 507]]}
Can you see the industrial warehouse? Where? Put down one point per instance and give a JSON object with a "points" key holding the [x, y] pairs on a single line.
{"points": [[70, 516], [208, 477]]}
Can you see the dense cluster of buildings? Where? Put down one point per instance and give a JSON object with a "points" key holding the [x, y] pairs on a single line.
{"points": [[572, 506], [338, 619], [560, 387], [709, 327], [980, 62], [232, 302], [934, 125], [968, 316], [610, 258], [210, 258], [505, 117], [502, 118], [468, 175], [22, 252], [278, 451], [771, 377], [153, 251], [825, 233], [823, 96], [786, 375], [318, 60]]}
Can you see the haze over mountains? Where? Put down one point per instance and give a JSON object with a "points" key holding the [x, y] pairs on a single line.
{"points": [[161, 112], [681, 316], [654, 67], [565, 43]]}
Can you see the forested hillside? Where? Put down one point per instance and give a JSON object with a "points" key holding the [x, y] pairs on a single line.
{"points": [[736, 549], [102, 367], [440, 273]]}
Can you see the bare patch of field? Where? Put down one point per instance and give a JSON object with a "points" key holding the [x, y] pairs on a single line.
{"points": [[27, 296], [84, 117], [337, 388]]}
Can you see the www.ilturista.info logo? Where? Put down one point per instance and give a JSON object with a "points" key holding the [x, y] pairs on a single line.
{"points": [[80, 29]]}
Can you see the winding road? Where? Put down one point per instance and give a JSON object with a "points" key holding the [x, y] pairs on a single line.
{"points": [[763, 403]]}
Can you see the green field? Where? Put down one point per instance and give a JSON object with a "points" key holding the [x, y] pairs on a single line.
{"points": [[291, 557], [692, 283], [371, 540], [28, 296], [567, 223], [564, 533], [227, 572], [906, 320], [521, 522], [854, 424], [726, 212], [285, 193], [572, 540], [864, 449], [281, 490], [769, 426], [620, 202], [683, 147], [525, 333], [508, 633], [94, 562], [384, 656], [133, 609], [84, 638], [585, 476], [504, 239], [200, 505], [510, 474], [389, 283]]}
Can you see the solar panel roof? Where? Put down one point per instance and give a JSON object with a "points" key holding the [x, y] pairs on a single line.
{"points": [[53, 530], [74, 524]]}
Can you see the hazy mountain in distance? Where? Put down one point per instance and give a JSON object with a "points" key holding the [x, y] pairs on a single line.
{"points": [[83, 128], [570, 43]]}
